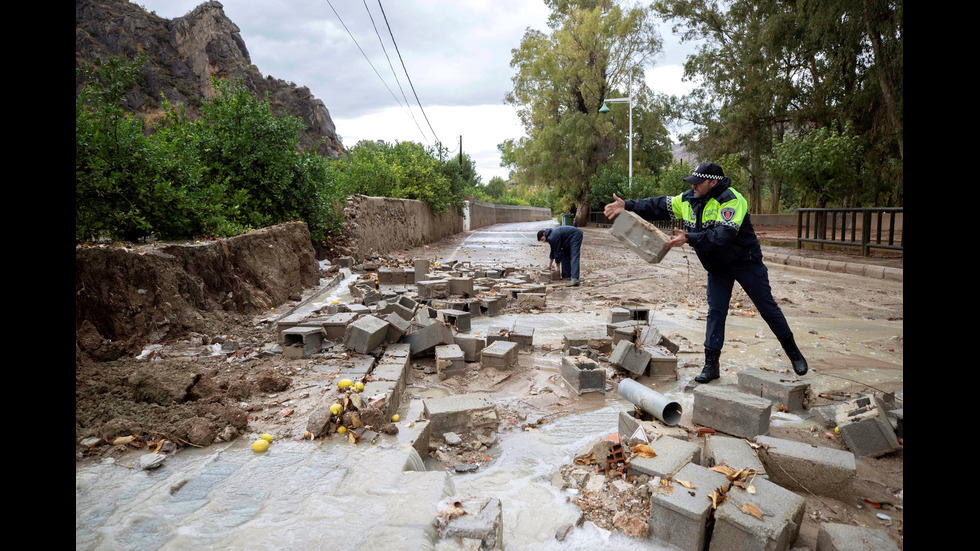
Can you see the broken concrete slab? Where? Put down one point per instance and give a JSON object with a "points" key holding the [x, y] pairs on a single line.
{"points": [[449, 360], [672, 454], [645, 239], [865, 427], [475, 523], [726, 409], [583, 374], [781, 511], [845, 537], [786, 390], [807, 467]]}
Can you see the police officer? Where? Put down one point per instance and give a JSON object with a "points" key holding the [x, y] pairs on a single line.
{"points": [[566, 249], [716, 225]]}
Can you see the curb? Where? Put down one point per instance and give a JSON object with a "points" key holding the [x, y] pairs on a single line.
{"points": [[836, 266]]}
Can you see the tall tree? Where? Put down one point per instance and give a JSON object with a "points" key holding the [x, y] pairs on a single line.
{"points": [[594, 48]]}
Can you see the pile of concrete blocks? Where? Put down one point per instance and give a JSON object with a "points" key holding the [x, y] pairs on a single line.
{"points": [[583, 374]]}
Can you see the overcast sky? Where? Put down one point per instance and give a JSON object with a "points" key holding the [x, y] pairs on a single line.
{"points": [[457, 56]]}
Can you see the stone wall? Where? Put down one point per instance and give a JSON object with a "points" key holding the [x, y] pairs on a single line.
{"points": [[380, 225], [482, 214]]}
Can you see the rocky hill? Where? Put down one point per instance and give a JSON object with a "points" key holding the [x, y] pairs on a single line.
{"points": [[183, 54]]}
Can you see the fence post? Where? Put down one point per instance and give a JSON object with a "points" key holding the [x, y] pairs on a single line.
{"points": [[866, 232]]}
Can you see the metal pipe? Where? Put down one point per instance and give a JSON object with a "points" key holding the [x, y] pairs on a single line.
{"points": [[651, 401]]}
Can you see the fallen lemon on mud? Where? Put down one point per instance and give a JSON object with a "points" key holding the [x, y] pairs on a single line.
{"points": [[335, 409], [344, 383], [358, 386], [260, 445], [267, 437], [341, 429], [395, 418]]}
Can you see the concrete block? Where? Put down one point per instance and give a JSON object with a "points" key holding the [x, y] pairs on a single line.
{"points": [[865, 427], [449, 360], [617, 315], [782, 513], [461, 286], [639, 313], [524, 337], [386, 276], [359, 309], [491, 306], [726, 409], [663, 364], [355, 367], [500, 355], [384, 395], [302, 341], [680, 517], [786, 390], [432, 288], [335, 325], [459, 319], [462, 414], [630, 357], [734, 452], [583, 374], [397, 327], [624, 334], [470, 345], [846, 537], [421, 269], [645, 239], [481, 525], [672, 454], [806, 467], [365, 334], [391, 371], [629, 324], [424, 338]]}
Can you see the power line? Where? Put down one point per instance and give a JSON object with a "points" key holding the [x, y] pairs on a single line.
{"points": [[406, 72], [397, 81]]}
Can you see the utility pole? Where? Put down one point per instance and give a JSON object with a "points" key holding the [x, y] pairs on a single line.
{"points": [[461, 151]]}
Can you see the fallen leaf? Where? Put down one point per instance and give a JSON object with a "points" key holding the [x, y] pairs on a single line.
{"points": [[644, 451], [686, 484], [750, 509], [723, 469]]}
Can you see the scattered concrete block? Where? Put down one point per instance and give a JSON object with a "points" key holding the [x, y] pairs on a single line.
{"points": [[617, 315], [365, 334], [786, 390], [645, 239], [672, 454], [629, 421], [421, 269], [491, 306], [345, 262], [461, 286], [680, 517], [302, 341], [355, 367], [630, 357], [624, 334], [782, 515], [392, 371], [524, 337], [423, 338], [480, 526], [826, 416], [464, 413], [397, 327], [629, 324], [583, 374], [846, 537], [500, 355], [384, 395], [432, 288], [449, 360], [639, 313], [734, 452], [865, 427], [359, 309], [728, 410], [663, 364], [806, 467], [471, 346], [459, 319], [335, 325]]}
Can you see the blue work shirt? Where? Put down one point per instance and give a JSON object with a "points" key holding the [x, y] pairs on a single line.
{"points": [[561, 239]]}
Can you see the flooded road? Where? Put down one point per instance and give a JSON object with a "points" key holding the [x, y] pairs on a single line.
{"points": [[324, 494]]}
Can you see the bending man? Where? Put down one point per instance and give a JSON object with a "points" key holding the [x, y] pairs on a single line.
{"points": [[566, 247], [717, 227]]}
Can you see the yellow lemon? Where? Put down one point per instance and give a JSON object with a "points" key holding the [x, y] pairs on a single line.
{"points": [[335, 409], [358, 386], [341, 429], [836, 430], [395, 418], [260, 445], [344, 383], [267, 437]]}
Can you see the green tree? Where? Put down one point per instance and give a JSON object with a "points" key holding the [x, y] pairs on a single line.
{"points": [[561, 80], [822, 162]]}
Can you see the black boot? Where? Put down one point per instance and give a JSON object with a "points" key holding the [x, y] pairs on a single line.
{"points": [[794, 354], [711, 367]]}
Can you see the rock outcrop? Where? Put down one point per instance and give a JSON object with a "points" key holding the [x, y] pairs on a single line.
{"points": [[183, 54]]}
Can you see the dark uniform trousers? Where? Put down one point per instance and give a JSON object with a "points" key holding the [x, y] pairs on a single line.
{"points": [[753, 276]]}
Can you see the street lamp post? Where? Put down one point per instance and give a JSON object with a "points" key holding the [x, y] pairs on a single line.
{"points": [[605, 109]]}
